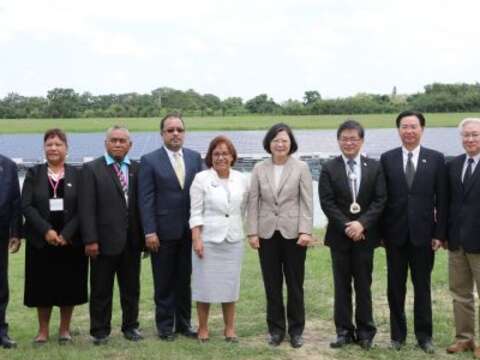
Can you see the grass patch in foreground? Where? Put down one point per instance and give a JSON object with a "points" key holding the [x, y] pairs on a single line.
{"points": [[214, 123], [251, 325]]}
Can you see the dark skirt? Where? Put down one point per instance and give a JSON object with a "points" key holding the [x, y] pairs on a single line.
{"points": [[55, 276]]}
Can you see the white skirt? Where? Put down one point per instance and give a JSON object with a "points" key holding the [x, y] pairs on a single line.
{"points": [[216, 276]]}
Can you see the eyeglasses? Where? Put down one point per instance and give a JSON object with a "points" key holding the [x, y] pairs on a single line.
{"points": [[220, 154], [349, 140], [473, 136], [177, 129]]}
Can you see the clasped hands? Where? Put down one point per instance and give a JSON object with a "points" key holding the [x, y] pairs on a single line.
{"points": [[355, 230], [52, 238]]}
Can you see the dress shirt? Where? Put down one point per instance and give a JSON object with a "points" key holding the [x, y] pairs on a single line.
{"points": [[415, 154], [124, 164], [475, 158], [171, 157], [357, 169]]}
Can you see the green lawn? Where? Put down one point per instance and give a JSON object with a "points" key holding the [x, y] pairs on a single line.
{"points": [[251, 326], [247, 122]]}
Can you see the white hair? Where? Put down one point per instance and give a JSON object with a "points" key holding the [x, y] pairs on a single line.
{"points": [[468, 121], [117, 127]]}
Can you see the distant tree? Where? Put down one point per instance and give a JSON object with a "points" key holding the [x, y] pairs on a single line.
{"points": [[293, 107], [310, 97], [63, 103], [262, 104], [233, 106]]}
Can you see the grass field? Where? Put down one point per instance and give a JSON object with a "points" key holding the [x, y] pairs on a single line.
{"points": [[220, 123], [251, 326]]}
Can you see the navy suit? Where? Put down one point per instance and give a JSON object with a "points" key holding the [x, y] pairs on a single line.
{"points": [[10, 226], [165, 210], [411, 219]]}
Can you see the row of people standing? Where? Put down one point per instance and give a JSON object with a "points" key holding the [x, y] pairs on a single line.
{"points": [[279, 224], [413, 203]]}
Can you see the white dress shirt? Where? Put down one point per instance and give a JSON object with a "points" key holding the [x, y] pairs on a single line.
{"points": [[219, 209], [171, 156], [357, 170], [415, 155], [475, 158]]}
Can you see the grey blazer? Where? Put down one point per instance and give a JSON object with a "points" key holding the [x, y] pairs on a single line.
{"points": [[289, 209]]}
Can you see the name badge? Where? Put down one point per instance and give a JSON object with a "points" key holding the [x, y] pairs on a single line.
{"points": [[56, 204]]}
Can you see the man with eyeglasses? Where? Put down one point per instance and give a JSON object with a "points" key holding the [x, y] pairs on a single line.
{"points": [[352, 196], [463, 236], [414, 226], [166, 175]]}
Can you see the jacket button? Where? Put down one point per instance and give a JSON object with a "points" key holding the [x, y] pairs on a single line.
{"points": [[276, 214], [226, 215]]}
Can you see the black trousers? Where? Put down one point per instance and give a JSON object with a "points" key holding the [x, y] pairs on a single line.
{"points": [[355, 264], [102, 273], [172, 269], [420, 260], [4, 294], [281, 257]]}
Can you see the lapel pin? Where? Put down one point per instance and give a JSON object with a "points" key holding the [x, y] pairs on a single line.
{"points": [[424, 161], [69, 184], [364, 164]]}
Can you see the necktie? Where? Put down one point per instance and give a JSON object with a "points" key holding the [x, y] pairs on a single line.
{"points": [[468, 173], [121, 177], [179, 169], [409, 171], [351, 163]]}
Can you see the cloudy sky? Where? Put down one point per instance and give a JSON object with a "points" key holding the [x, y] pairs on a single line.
{"points": [[237, 48]]}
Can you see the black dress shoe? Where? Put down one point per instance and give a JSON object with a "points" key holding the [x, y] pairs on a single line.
{"points": [[133, 335], [296, 341], [100, 340], [7, 343], [365, 344], [275, 339], [190, 333], [341, 342], [167, 336], [396, 345], [427, 346]]}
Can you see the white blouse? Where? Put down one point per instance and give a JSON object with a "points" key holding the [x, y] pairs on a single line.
{"points": [[217, 207]]}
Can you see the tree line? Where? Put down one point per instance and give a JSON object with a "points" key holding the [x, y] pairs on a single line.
{"points": [[67, 103]]}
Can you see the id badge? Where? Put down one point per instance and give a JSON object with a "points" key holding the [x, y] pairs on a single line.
{"points": [[56, 204]]}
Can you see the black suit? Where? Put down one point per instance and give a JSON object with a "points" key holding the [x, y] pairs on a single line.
{"points": [[352, 260], [464, 208], [10, 226], [165, 210], [107, 220], [412, 218]]}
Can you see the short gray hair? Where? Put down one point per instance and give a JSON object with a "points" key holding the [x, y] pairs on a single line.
{"points": [[468, 121], [116, 127]]}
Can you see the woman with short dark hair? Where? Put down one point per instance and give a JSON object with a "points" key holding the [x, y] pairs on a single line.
{"points": [[280, 220], [55, 266]]}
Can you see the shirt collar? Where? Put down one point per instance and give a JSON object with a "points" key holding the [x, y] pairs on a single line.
{"points": [[172, 153], [110, 160], [415, 152], [475, 158], [356, 159]]}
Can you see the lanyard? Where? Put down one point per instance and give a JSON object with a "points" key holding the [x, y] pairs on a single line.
{"points": [[54, 185]]}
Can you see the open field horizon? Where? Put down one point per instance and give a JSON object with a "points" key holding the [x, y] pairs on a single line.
{"points": [[246, 122]]}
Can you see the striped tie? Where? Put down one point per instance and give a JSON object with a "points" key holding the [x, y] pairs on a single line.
{"points": [[121, 178]]}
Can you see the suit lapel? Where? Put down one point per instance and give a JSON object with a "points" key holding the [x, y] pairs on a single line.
{"points": [[285, 174], [340, 169], [400, 171], [114, 177], [473, 179], [422, 163], [167, 164], [270, 174], [365, 175]]}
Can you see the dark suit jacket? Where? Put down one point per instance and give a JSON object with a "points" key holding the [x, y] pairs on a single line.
{"points": [[410, 213], [164, 205], [464, 210], [10, 207], [335, 199], [36, 207], [104, 215]]}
